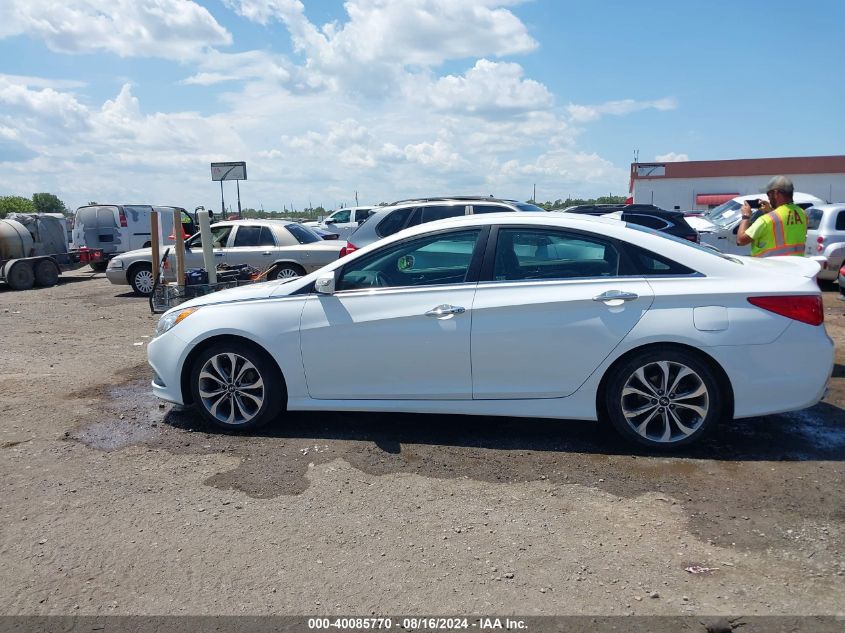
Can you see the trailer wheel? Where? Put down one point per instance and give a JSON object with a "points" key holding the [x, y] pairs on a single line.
{"points": [[19, 275], [99, 267], [46, 273]]}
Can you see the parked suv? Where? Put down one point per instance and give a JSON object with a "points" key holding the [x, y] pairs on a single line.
{"points": [[826, 237], [404, 213], [671, 222]]}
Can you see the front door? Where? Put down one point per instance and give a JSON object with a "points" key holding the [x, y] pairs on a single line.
{"points": [[398, 325]]}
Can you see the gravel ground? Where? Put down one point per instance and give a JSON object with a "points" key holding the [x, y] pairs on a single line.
{"points": [[113, 503]]}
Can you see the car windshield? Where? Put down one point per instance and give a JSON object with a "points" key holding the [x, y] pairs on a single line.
{"points": [[524, 206], [702, 248], [303, 234], [725, 214]]}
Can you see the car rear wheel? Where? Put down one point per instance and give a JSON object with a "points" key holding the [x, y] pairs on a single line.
{"points": [[236, 387], [286, 271], [141, 279], [663, 398]]}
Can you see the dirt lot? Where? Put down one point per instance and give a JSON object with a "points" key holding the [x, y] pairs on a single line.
{"points": [[115, 504]]}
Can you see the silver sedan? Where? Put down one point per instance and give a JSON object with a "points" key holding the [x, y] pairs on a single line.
{"points": [[295, 249]]}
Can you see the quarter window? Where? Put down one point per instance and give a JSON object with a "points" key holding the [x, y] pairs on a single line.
{"points": [[840, 221], [541, 254], [443, 258]]}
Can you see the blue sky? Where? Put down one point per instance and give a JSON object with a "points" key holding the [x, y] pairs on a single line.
{"points": [[127, 101]]}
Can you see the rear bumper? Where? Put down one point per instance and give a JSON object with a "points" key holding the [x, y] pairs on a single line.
{"points": [[789, 374]]}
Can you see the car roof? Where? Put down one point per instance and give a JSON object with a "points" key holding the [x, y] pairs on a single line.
{"points": [[453, 199], [829, 206]]}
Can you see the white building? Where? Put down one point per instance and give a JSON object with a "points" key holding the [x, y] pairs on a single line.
{"points": [[703, 184]]}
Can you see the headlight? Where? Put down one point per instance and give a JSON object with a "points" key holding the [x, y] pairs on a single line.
{"points": [[115, 263], [172, 319]]}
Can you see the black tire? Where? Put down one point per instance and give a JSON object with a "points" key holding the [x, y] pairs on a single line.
{"points": [[285, 271], [140, 277], [46, 273], [668, 418], [230, 404], [99, 267], [19, 275]]}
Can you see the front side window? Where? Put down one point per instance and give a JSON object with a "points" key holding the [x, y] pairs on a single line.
{"points": [[544, 254], [219, 237], [339, 216], [814, 218], [434, 260]]}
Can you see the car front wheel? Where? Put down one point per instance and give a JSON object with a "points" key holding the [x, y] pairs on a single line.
{"points": [[141, 279], [663, 399], [236, 387]]}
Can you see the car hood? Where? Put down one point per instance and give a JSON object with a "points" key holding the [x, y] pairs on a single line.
{"points": [[249, 292]]}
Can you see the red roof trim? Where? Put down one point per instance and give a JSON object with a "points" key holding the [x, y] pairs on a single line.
{"points": [[714, 198], [749, 167]]}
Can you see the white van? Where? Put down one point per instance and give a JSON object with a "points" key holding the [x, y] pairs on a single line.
{"points": [[120, 228], [718, 227]]}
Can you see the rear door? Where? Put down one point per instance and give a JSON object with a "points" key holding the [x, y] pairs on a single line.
{"points": [[252, 244], [97, 227], [550, 307]]}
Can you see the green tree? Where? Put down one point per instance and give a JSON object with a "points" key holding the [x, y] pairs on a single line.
{"points": [[48, 203], [15, 204]]}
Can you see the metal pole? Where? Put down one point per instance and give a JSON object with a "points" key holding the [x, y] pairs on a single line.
{"points": [[154, 237], [222, 203], [180, 247], [240, 213]]}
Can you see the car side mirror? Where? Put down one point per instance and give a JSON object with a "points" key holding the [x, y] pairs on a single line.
{"points": [[325, 284]]}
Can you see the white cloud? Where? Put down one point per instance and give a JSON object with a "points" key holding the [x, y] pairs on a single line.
{"points": [[383, 37], [42, 82], [173, 29], [589, 113], [671, 157], [488, 87]]}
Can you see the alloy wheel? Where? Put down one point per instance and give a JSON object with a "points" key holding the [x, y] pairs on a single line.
{"points": [[665, 401], [231, 389]]}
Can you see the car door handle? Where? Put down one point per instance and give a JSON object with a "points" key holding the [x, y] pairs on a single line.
{"points": [[616, 295], [722, 237], [266, 253], [445, 310], [219, 254]]}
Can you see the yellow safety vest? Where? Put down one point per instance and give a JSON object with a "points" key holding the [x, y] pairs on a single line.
{"points": [[784, 232]]}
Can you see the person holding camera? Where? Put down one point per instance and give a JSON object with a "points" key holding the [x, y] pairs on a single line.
{"points": [[781, 230]]}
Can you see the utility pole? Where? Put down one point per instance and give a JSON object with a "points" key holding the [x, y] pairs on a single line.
{"points": [[356, 198], [534, 197]]}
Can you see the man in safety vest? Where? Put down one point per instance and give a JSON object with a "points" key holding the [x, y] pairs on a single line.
{"points": [[780, 231]]}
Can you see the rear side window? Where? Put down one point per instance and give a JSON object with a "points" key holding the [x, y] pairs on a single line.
{"points": [[254, 236], [814, 219], [429, 214], [651, 264], [394, 222], [302, 235], [840, 221], [489, 208]]}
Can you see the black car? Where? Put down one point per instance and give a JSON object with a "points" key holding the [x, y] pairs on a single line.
{"points": [[671, 222]]}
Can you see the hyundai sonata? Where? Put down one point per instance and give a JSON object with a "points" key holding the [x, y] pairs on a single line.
{"points": [[533, 315]]}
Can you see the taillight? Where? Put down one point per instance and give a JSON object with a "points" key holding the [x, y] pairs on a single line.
{"points": [[819, 244], [804, 308], [346, 250], [123, 223]]}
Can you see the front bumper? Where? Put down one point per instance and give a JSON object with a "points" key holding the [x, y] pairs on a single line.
{"points": [[166, 355], [117, 276]]}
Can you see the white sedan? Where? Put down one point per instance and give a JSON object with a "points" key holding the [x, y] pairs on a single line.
{"points": [[533, 315]]}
